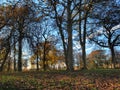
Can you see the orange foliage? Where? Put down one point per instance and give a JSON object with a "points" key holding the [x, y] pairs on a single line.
{"points": [[93, 54], [9, 11], [95, 58]]}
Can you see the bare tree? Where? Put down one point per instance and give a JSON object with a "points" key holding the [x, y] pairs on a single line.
{"points": [[106, 32]]}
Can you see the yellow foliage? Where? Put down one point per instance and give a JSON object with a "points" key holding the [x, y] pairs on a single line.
{"points": [[2, 53], [32, 59], [13, 12], [51, 54]]}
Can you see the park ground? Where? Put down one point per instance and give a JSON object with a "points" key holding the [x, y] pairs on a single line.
{"points": [[61, 80]]}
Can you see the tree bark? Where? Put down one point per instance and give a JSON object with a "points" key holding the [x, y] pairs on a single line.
{"points": [[14, 62], [64, 47], [4, 60], [113, 56], [9, 64], [37, 61], [14, 56], [37, 64], [20, 53], [44, 56], [82, 35], [83, 40], [84, 44], [8, 48], [70, 42]]}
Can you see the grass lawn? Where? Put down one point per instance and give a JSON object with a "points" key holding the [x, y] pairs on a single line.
{"points": [[61, 80]]}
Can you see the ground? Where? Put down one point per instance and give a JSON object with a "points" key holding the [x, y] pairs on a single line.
{"points": [[61, 80]]}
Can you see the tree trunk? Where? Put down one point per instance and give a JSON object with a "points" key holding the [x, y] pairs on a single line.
{"points": [[15, 63], [83, 37], [14, 57], [83, 40], [37, 61], [44, 56], [59, 22], [20, 52], [70, 43], [37, 64], [113, 56], [4, 60], [9, 64], [84, 44], [64, 46], [84, 57], [6, 55], [44, 63]]}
